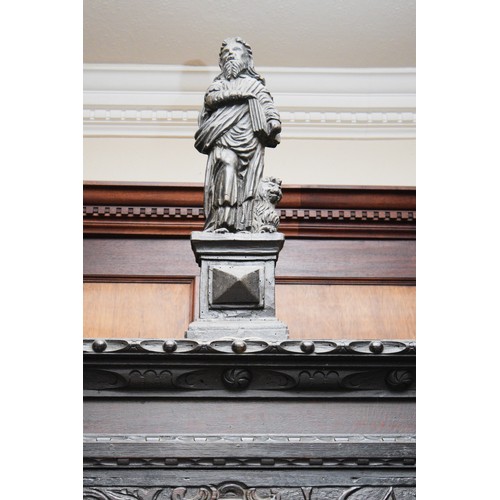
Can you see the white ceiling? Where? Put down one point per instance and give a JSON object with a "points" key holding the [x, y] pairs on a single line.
{"points": [[293, 33]]}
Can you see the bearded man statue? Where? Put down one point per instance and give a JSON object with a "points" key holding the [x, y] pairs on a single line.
{"points": [[238, 121]]}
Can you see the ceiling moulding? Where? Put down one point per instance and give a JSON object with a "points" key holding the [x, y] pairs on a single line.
{"points": [[315, 103]]}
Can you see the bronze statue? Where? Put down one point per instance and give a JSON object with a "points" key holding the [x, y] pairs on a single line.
{"points": [[238, 121]]}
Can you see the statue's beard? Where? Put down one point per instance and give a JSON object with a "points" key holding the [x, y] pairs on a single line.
{"points": [[232, 69]]}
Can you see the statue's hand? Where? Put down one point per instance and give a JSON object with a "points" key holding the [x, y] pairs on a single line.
{"points": [[273, 136], [274, 127]]}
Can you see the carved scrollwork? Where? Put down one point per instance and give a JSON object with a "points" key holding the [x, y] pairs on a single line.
{"points": [[197, 380], [364, 493], [104, 380], [240, 378], [233, 491], [275, 380], [204, 493], [363, 380], [239, 491], [122, 494]]}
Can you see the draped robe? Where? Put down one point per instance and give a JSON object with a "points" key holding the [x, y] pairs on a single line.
{"points": [[233, 133]]}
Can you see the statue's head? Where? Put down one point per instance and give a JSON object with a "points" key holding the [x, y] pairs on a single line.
{"points": [[235, 57]]}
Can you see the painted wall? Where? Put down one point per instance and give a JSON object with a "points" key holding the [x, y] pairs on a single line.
{"points": [[341, 126], [295, 161]]}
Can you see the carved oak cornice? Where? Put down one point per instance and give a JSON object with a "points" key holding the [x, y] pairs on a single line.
{"points": [[249, 368], [371, 465], [251, 451], [176, 210]]}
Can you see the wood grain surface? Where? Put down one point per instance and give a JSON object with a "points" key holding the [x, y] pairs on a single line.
{"points": [[294, 196], [247, 417], [326, 288], [300, 258], [347, 311], [141, 310]]}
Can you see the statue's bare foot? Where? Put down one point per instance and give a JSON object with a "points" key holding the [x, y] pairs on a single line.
{"points": [[221, 230]]}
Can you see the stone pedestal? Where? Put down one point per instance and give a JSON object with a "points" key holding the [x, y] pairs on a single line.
{"points": [[237, 286]]}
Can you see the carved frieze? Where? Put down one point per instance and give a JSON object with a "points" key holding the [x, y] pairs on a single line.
{"points": [[239, 491], [243, 366], [239, 379]]}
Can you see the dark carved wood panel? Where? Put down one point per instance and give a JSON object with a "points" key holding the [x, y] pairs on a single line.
{"points": [[325, 369], [291, 420]]}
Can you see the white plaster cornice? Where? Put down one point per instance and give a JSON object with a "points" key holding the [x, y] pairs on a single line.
{"points": [[314, 103]]}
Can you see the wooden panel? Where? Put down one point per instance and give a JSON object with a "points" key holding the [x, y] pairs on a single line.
{"points": [[139, 257], [347, 258], [247, 417], [137, 310], [363, 310], [299, 258], [347, 311]]}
